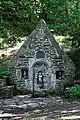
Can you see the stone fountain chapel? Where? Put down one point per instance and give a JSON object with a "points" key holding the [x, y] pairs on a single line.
{"points": [[40, 64]]}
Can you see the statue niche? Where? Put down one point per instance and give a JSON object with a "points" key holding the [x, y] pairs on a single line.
{"points": [[40, 79], [40, 76]]}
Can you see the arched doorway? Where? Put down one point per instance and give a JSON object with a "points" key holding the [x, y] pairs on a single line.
{"points": [[40, 75]]}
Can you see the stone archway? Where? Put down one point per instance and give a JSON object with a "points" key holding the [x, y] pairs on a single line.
{"points": [[40, 66]]}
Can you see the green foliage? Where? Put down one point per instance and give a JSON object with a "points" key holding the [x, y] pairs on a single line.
{"points": [[74, 92], [3, 72], [19, 18]]}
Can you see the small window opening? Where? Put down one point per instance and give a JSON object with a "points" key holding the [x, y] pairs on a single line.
{"points": [[40, 54], [25, 74], [59, 74]]}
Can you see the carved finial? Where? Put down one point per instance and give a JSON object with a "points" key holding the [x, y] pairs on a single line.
{"points": [[42, 21], [42, 24]]}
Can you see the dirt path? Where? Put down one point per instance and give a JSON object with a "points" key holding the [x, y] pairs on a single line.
{"points": [[58, 108], [44, 108]]}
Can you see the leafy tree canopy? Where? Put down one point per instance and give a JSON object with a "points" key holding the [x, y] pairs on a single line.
{"points": [[18, 18]]}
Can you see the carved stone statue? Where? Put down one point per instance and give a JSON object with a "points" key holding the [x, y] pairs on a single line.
{"points": [[40, 79]]}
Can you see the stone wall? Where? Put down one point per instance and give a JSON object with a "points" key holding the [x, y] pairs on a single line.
{"points": [[52, 63]]}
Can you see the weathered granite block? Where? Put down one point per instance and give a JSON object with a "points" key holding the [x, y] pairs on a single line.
{"points": [[6, 91]]}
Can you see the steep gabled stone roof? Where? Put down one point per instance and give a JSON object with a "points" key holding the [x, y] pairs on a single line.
{"points": [[44, 32]]}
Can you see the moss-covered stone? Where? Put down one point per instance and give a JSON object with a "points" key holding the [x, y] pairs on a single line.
{"points": [[6, 91]]}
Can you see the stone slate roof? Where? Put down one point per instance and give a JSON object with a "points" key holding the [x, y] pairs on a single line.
{"points": [[48, 34], [41, 25]]}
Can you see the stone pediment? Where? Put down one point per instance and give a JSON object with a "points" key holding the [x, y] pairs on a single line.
{"points": [[41, 32]]}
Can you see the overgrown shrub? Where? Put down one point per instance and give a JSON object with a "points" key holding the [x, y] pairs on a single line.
{"points": [[3, 72], [74, 92]]}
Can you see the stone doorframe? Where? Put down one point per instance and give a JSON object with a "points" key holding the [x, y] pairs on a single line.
{"points": [[43, 65], [32, 62]]}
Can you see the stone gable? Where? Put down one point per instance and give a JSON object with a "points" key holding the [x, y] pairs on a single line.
{"points": [[40, 64]]}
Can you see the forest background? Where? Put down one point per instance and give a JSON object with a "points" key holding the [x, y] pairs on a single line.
{"points": [[19, 17]]}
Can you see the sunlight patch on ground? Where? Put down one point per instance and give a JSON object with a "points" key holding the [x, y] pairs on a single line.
{"points": [[36, 111], [10, 50], [40, 118], [63, 42], [72, 111], [70, 118]]}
